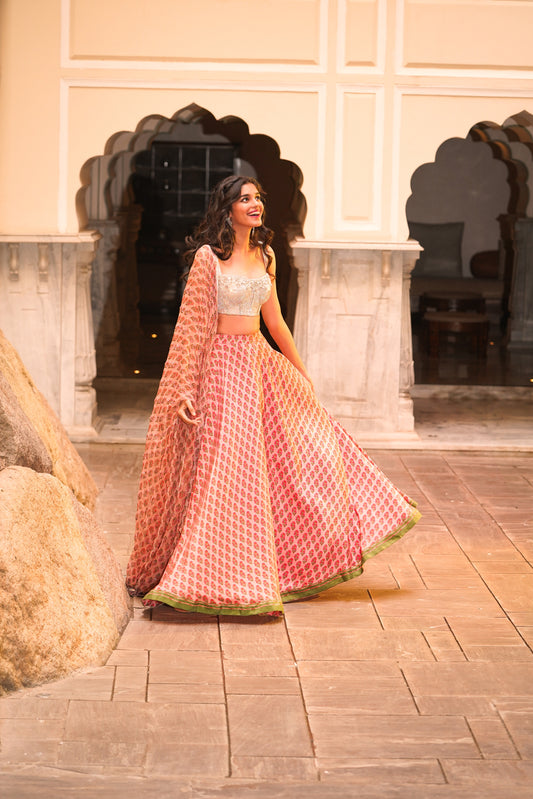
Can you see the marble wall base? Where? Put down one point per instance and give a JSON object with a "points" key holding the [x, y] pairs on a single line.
{"points": [[353, 330], [45, 312]]}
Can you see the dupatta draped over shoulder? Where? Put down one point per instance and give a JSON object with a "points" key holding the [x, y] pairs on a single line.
{"points": [[172, 446]]}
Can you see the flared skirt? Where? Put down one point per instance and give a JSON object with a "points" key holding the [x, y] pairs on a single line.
{"points": [[284, 503]]}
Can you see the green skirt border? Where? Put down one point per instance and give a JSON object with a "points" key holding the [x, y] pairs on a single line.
{"points": [[290, 596], [213, 610]]}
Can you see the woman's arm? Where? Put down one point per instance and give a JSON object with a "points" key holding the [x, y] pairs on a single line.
{"points": [[278, 329]]}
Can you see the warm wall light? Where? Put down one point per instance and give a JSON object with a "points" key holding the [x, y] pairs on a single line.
{"points": [[136, 371], [154, 335]]}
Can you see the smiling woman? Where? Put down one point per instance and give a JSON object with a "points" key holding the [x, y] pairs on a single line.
{"points": [[251, 494]]}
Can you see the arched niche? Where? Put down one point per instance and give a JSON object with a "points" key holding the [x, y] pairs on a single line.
{"points": [[483, 181], [105, 202]]}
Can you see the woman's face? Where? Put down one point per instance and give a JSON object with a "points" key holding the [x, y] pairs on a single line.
{"points": [[248, 210]]}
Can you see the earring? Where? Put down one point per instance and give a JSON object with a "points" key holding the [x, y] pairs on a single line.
{"points": [[228, 221]]}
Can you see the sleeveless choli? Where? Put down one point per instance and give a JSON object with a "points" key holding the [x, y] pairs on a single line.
{"points": [[269, 499], [239, 295]]}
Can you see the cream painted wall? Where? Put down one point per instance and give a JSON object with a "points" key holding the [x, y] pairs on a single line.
{"points": [[358, 93], [29, 115]]}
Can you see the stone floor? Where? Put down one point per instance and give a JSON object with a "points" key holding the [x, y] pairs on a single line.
{"points": [[414, 681], [452, 417]]}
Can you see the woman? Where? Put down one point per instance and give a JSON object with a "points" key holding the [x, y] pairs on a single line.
{"points": [[250, 494]]}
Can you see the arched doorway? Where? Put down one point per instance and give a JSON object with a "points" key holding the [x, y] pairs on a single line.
{"points": [[119, 198], [471, 210]]}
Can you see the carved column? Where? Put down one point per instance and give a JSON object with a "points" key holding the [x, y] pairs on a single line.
{"points": [[301, 262], [85, 356], [407, 370], [520, 332], [106, 317]]}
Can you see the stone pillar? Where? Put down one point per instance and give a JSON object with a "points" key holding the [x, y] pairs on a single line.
{"points": [[407, 368], [106, 317], [85, 354], [520, 329], [353, 330], [45, 312]]}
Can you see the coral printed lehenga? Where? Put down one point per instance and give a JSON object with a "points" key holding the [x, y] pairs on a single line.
{"points": [[269, 499]]}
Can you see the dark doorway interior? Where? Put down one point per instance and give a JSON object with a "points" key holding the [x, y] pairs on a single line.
{"points": [[172, 182]]}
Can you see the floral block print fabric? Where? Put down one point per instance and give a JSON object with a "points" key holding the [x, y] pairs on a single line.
{"points": [[268, 499], [284, 503], [171, 450]]}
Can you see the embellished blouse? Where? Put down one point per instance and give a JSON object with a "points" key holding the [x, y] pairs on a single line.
{"points": [[242, 296]]}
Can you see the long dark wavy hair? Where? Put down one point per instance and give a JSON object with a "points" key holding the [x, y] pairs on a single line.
{"points": [[216, 230]]}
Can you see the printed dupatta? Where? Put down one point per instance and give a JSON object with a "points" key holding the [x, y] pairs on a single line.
{"points": [[171, 453]]}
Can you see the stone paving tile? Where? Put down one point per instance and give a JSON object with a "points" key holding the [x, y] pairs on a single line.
{"points": [[259, 667], [128, 657], [245, 684], [481, 773], [469, 679], [189, 693], [164, 757], [469, 602], [170, 635], [426, 771], [130, 684], [444, 645], [343, 644], [268, 725], [358, 736], [179, 666], [423, 623], [513, 595], [520, 726], [471, 706], [279, 769], [345, 695], [446, 571], [90, 684], [133, 722], [108, 754], [427, 539], [503, 567], [492, 738], [331, 606], [489, 639], [23, 706]]}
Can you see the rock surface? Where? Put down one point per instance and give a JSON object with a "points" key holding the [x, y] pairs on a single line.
{"points": [[55, 616], [19, 443], [67, 465], [106, 566]]}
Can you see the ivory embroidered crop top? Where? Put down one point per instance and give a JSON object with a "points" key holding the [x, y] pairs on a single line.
{"points": [[242, 296]]}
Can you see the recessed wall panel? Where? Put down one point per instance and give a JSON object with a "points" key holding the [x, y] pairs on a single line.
{"points": [[361, 32], [357, 170], [196, 30], [482, 34]]}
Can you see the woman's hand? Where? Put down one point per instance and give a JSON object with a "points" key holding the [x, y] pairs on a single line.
{"points": [[187, 412]]}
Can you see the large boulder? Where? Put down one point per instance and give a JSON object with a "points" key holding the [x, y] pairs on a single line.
{"points": [[19, 441], [67, 465], [57, 613]]}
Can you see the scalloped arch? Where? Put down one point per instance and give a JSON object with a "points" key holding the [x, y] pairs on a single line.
{"points": [[105, 178]]}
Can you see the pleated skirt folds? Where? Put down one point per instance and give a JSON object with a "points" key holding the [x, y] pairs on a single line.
{"points": [[284, 503]]}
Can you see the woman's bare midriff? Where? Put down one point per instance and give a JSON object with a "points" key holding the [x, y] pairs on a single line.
{"points": [[229, 325]]}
